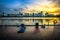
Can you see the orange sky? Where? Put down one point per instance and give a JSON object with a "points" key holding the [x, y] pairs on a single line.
{"points": [[45, 6]]}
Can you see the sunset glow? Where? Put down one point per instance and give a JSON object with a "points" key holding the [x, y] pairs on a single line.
{"points": [[30, 6]]}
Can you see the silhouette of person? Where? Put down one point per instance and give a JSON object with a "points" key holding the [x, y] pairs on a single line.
{"points": [[22, 29], [43, 26], [55, 21], [37, 28]]}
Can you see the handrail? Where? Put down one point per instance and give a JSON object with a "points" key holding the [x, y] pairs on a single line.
{"points": [[26, 25], [29, 16]]}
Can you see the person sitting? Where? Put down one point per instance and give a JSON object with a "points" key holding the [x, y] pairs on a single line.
{"points": [[43, 26], [22, 29], [37, 28]]}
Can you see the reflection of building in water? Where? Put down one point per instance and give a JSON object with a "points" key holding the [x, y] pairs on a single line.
{"points": [[27, 21]]}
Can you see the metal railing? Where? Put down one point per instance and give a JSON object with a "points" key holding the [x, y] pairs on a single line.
{"points": [[25, 25]]}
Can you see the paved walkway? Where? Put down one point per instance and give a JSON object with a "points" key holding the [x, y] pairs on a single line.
{"points": [[45, 33]]}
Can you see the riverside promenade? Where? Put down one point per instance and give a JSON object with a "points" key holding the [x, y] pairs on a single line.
{"points": [[47, 33]]}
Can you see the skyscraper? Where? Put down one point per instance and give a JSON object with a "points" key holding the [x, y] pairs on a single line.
{"points": [[40, 13], [46, 14]]}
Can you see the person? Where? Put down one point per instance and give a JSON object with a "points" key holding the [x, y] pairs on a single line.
{"points": [[43, 26], [22, 29], [55, 21], [37, 28]]}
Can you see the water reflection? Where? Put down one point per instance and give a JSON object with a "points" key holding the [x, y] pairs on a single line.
{"points": [[27, 21]]}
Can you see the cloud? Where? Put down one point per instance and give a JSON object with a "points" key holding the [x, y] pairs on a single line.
{"points": [[57, 2], [32, 5]]}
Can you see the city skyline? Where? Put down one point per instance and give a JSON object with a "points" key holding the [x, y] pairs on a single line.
{"points": [[40, 14]]}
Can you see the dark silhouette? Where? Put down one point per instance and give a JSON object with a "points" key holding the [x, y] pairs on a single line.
{"points": [[43, 26], [37, 28], [55, 21], [56, 30], [22, 29]]}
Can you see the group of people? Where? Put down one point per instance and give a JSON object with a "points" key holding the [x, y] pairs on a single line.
{"points": [[36, 29]]}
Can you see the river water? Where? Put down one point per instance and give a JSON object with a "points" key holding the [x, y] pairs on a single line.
{"points": [[28, 20]]}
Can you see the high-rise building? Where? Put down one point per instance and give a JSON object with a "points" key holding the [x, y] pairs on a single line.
{"points": [[40, 13], [26, 14], [33, 14], [46, 14], [21, 14]]}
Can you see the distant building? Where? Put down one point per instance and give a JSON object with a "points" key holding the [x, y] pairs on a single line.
{"points": [[30, 14], [58, 15], [46, 14], [36, 14], [40, 13], [20, 14], [26, 14], [2, 14], [33, 14]]}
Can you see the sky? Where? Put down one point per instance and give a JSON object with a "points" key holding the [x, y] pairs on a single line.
{"points": [[30, 6]]}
